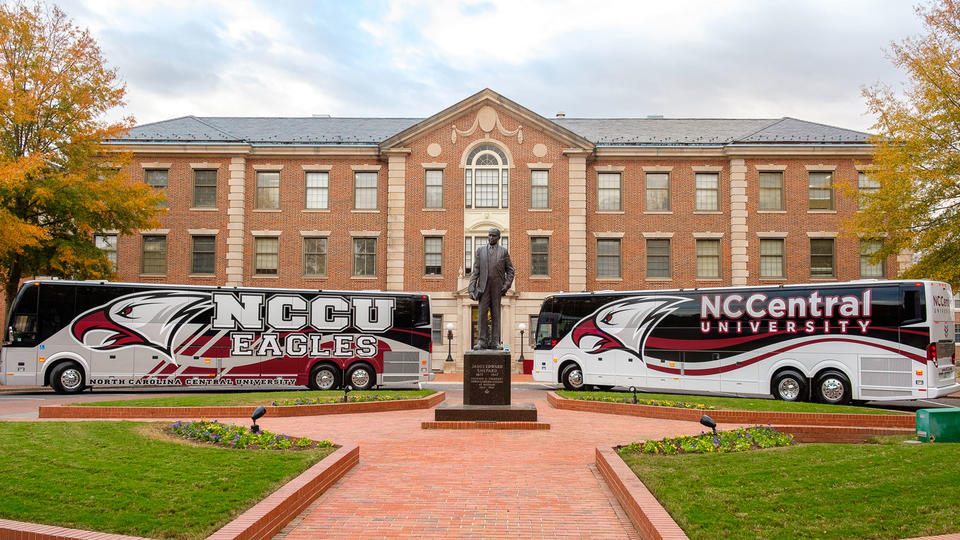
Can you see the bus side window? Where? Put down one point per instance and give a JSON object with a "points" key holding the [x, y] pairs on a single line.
{"points": [[912, 306], [544, 333]]}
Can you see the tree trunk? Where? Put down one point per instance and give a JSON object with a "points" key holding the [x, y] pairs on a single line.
{"points": [[14, 273]]}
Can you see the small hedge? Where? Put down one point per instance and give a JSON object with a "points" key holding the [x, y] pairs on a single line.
{"points": [[231, 436], [737, 440], [346, 398]]}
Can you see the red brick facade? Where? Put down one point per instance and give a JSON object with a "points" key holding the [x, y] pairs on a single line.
{"points": [[572, 221]]}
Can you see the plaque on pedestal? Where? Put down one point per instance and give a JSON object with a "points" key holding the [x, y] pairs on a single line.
{"points": [[486, 377]]}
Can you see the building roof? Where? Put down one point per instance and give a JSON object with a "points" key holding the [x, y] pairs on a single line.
{"points": [[325, 131]]}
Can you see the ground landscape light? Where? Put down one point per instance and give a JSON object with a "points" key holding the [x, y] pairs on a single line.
{"points": [[709, 422], [257, 414]]}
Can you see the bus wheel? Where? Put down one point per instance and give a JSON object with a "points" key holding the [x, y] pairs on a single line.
{"points": [[789, 386], [324, 377], [572, 377], [361, 377], [833, 388], [67, 378]]}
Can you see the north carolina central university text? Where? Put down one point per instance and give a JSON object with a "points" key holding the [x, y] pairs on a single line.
{"points": [[822, 313]]}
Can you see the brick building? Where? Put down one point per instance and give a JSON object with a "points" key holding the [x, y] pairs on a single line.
{"points": [[584, 204]]}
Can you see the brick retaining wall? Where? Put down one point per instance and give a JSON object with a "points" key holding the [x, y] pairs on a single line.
{"points": [[644, 510], [77, 411]]}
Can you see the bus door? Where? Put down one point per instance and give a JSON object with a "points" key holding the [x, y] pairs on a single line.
{"points": [[20, 345]]}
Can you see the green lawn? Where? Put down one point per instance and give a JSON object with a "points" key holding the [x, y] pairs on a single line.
{"points": [[730, 403], [886, 490], [249, 398], [124, 477]]}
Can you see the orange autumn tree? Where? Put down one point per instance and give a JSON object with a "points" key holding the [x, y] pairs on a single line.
{"points": [[917, 154], [57, 186]]}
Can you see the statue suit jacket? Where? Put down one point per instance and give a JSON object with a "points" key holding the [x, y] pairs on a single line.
{"points": [[503, 269]]}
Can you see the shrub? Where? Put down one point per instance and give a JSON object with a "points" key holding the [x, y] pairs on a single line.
{"points": [[232, 436], [737, 440]]}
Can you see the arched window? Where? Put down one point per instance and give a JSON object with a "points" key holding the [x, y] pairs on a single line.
{"points": [[487, 178]]}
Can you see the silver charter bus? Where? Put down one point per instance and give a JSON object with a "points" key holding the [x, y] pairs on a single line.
{"points": [[73, 335], [831, 342]]}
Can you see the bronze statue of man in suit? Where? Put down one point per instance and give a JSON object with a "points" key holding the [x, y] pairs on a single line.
{"points": [[490, 279]]}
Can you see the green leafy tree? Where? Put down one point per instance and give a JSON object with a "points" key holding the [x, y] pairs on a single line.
{"points": [[57, 185], [917, 154]]}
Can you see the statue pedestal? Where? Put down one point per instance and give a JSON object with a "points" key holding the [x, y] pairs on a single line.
{"points": [[486, 392]]}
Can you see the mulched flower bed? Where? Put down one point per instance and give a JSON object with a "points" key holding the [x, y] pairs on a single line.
{"points": [[231, 436], [737, 440]]}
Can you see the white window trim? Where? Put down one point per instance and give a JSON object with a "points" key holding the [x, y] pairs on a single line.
{"points": [[821, 168], [608, 234], [364, 233], [771, 234], [317, 167], [707, 168], [433, 232], [708, 235], [365, 168], [658, 234], [265, 233], [770, 168], [539, 232], [203, 232], [434, 166], [158, 165], [657, 168], [268, 167], [823, 234]]}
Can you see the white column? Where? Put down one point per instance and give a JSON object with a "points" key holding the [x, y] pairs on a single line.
{"points": [[738, 222], [577, 249], [235, 211], [396, 212]]}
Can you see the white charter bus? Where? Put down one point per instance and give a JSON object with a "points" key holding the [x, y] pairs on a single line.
{"points": [[73, 335], [836, 342]]}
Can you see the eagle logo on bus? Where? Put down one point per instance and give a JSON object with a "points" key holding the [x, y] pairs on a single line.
{"points": [[151, 319], [623, 325]]}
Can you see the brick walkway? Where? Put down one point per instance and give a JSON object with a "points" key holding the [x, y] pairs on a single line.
{"points": [[413, 482]]}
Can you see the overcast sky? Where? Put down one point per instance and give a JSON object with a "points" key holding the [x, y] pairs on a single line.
{"points": [[587, 58]]}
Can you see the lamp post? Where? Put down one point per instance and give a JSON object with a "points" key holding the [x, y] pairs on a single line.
{"points": [[449, 342], [522, 328]]}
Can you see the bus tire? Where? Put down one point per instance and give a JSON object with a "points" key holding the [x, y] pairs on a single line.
{"points": [[572, 377], [789, 385], [67, 378], [832, 387], [361, 377], [324, 377]]}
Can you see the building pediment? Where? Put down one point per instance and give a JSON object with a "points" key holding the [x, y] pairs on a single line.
{"points": [[483, 111]]}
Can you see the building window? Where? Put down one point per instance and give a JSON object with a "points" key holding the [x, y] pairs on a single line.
{"points": [[472, 242], [315, 256], [821, 191], [266, 256], [153, 256], [204, 189], [268, 190], [658, 258], [708, 259], [318, 190], [365, 190], [771, 191], [821, 257], [365, 256], [608, 191], [434, 189], [157, 179], [608, 258], [433, 255], [658, 192], [540, 255], [708, 191], [870, 269], [436, 330], [108, 244], [487, 178], [539, 189], [204, 255], [866, 186], [771, 258]]}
